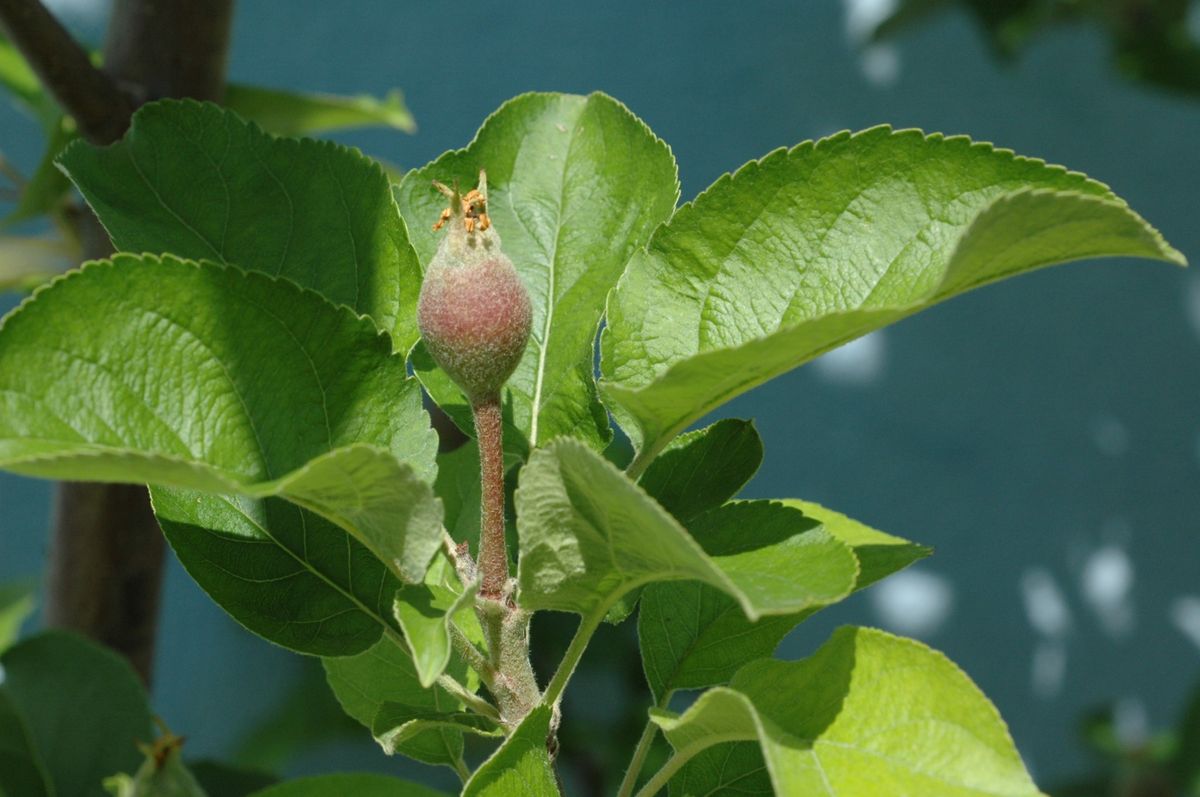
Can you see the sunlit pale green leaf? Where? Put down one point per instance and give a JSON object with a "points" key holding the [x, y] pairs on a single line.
{"points": [[521, 767], [589, 535], [575, 186], [197, 181], [867, 714], [84, 707], [299, 113], [383, 676], [214, 379], [364, 785], [692, 635], [811, 247], [425, 613]]}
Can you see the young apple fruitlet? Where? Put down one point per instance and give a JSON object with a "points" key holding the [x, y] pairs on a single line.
{"points": [[474, 313]]}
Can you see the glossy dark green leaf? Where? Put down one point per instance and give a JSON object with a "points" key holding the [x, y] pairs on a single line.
{"points": [[692, 635], [84, 706], [867, 714], [575, 185], [301, 113], [811, 247], [224, 780], [197, 181]]}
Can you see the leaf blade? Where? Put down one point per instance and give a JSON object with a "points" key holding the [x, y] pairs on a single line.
{"points": [[867, 712], [814, 246], [312, 211], [575, 185]]}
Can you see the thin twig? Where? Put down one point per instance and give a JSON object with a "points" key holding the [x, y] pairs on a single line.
{"points": [[101, 110], [640, 752]]}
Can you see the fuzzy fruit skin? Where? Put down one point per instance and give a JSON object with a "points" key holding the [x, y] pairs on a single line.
{"points": [[474, 312]]}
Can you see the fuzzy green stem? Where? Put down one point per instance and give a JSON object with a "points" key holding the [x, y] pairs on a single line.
{"points": [[493, 553], [640, 752]]}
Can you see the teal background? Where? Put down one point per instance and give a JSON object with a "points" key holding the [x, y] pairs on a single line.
{"points": [[1040, 432]]}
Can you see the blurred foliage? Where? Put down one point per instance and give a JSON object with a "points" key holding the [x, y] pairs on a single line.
{"points": [[1151, 40], [1164, 764]]}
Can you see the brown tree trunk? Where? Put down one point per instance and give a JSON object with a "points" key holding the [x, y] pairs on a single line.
{"points": [[106, 552]]}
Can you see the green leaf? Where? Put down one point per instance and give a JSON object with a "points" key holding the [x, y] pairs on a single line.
{"points": [[1186, 763], [298, 113], [84, 706], [26, 262], [425, 613], [703, 469], [396, 724], [16, 604], [575, 186], [735, 769], [588, 535], [215, 379], [197, 181], [868, 713], [811, 247], [364, 785], [231, 382], [21, 769], [385, 675], [698, 471], [458, 486], [692, 635], [521, 766]]}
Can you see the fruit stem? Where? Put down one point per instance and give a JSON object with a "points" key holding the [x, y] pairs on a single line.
{"points": [[493, 553]]}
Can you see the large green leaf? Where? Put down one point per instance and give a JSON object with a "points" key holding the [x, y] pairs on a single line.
{"points": [[358, 785], [299, 113], [814, 246], [214, 379], [211, 378], [84, 706], [588, 535], [22, 773], [867, 714], [692, 635], [521, 766], [376, 681], [575, 186], [197, 181]]}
